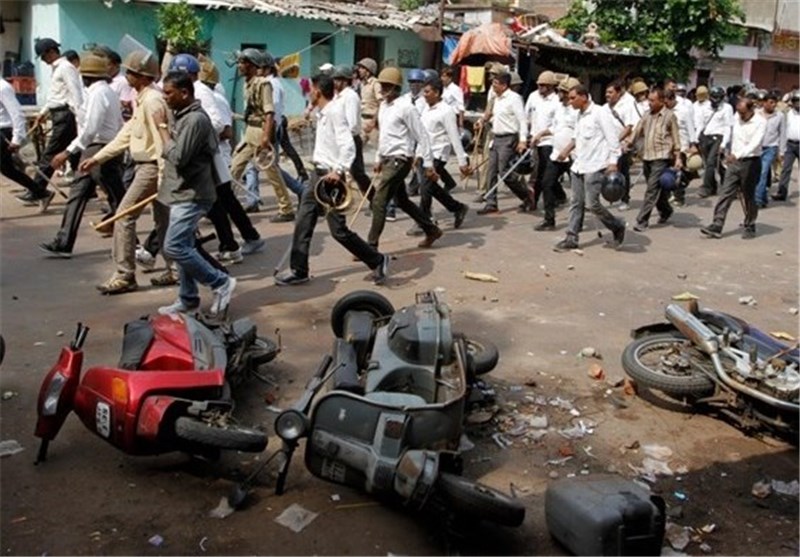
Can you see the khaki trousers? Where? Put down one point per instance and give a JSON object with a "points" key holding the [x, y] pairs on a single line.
{"points": [[245, 152]]}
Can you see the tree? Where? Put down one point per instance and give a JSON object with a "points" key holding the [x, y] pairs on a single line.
{"points": [[665, 29], [179, 25]]}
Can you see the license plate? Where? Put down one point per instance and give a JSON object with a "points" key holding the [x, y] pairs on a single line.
{"points": [[102, 419]]}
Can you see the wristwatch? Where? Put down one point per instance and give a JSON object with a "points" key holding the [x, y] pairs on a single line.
{"points": [[163, 126]]}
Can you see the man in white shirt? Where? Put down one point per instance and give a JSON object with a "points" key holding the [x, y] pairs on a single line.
{"points": [[686, 132], [789, 147], [714, 135], [440, 122], [596, 152], [744, 167], [453, 95], [510, 128], [776, 129], [541, 123], [99, 123], [624, 117], [400, 134], [63, 104], [334, 152], [12, 129], [351, 105]]}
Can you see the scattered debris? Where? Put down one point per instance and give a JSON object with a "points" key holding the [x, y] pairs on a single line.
{"points": [[575, 412], [576, 432], [629, 387], [778, 252], [577, 251], [10, 447], [682, 276], [501, 441], [570, 267], [761, 490], [658, 452], [633, 446], [223, 510], [675, 511], [566, 450], [559, 461], [782, 335], [156, 541], [793, 311], [38, 343], [483, 277], [667, 551], [747, 301], [685, 297], [590, 352], [553, 475], [295, 518], [480, 417], [538, 422], [597, 372], [677, 536], [791, 489], [202, 543], [708, 528], [19, 519], [335, 497], [705, 548], [8, 395], [681, 496], [60, 334]]}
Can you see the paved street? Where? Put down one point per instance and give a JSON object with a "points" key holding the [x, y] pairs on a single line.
{"points": [[91, 499]]}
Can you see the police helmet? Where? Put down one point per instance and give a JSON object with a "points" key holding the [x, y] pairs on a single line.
{"points": [[613, 187], [185, 62], [415, 75], [668, 179]]}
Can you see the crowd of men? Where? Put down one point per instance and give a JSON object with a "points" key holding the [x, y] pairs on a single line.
{"points": [[147, 138]]}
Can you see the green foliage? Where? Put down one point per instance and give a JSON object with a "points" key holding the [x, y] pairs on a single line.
{"points": [[407, 5], [665, 29], [178, 24]]}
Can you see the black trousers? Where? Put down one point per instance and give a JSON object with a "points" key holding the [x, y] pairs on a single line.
{"points": [[654, 195], [431, 190], [108, 176], [225, 209], [624, 167], [740, 181], [550, 186], [64, 131], [9, 170], [711, 149], [288, 148], [357, 170], [543, 154], [308, 213]]}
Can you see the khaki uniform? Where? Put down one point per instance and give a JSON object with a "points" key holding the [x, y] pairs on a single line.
{"points": [[258, 99], [140, 136], [371, 98]]}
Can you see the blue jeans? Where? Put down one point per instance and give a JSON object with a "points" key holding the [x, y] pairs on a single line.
{"points": [[768, 155], [251, 183], [292, 183], [179, 246]]}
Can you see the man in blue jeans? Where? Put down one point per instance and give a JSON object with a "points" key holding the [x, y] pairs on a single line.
{"points": [[776, 129], [188, 188]]}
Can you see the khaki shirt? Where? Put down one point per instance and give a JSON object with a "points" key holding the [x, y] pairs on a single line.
{"points": [[140, 133], [370, 97], [258, 99]]}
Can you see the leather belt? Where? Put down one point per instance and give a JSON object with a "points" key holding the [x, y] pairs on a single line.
{"points": [[258, 122], [395, 158], [60, 108]]}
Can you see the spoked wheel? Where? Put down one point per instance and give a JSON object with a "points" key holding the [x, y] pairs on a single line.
{"points": [[670, 363], [232, 438], [474, 500]]}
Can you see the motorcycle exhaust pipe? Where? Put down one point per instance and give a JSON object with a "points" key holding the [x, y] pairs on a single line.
{"points": [[692, 328], [736, 386]]}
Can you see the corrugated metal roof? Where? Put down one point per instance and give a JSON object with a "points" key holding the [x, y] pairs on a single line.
{"points": [[362, 14]]}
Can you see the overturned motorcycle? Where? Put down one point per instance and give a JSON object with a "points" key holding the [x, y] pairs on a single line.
{"points": [[719, 363], [171, 390], [392, 420]]}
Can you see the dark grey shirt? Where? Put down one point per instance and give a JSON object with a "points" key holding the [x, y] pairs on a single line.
{"points": [[189, 156]]}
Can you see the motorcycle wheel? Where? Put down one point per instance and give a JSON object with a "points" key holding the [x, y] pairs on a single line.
{"points": [[482, 355], [474, 500], [231, 438], [669, 363], [360, 300]]}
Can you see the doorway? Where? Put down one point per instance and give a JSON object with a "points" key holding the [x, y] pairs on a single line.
{"points": [[368, 47]]}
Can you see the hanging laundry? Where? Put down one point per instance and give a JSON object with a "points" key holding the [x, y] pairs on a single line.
{"points": [[475, 78]]}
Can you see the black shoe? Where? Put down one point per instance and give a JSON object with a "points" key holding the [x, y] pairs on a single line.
{"points": [[749, 233], [380, 272], [55, 250], [662, 219], [44, 202], [290, 278], [641, 226], [712, 231], [431, 238], [486, 209], [460, 215], [282, 217], [415, 231], [526, 207], [566, 244], [28, 199], [545, 225], [254, 208], [702, 194], [619, 237], [778, 197], [391, 216]]}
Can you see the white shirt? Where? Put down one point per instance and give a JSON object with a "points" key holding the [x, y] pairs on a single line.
{"points": [[208, 101], [530, 105], [718, 122], [400, 130], [776, 127], [792, 129], [685, 116], [508, 115], [351, 104], [100, 117], [596, 141], [126, 93], [544, 118], [748, 136], [454, 96], [621, 115], [11, 115], [278, 96], [227, 117], [566, 118], [66, 87], [333, 147], [626, 107], [418, 102], [442, 126]]}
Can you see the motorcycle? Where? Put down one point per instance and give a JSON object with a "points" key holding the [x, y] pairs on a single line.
{"points": [[719, 362], [392, 421], [171, 390]]}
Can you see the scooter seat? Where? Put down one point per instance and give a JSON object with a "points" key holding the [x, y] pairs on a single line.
{"points": [[399, 400], [135, 341]]}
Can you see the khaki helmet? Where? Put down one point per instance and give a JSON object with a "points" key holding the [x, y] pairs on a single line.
{"points": [[702, 93], [515, 79], [141, 62], [208, 71], [547, 78], [93, 65], [369, 64], [639, 87], [694, 163], [496, 68], [392, 76], [568, 83]]}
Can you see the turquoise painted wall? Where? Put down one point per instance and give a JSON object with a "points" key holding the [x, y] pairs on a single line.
{"points": [[89, 21]]}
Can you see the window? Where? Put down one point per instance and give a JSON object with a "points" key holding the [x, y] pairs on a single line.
{"points": [[321, 50]]}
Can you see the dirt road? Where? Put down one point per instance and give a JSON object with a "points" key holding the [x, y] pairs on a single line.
{"points": [[91, 499]]}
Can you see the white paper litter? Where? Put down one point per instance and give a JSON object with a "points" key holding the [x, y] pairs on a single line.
{"points": [[296, 518]]}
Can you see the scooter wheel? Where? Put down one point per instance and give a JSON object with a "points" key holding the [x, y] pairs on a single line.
{"points": [[474, 500], [230, 438], [482, 355], [360, 300]]}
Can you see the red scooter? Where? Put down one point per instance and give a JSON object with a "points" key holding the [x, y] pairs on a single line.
{"points": [[170, 392]]}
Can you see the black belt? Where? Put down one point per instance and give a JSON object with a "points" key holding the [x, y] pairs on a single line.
{"points": [[504, 135], [145, 162], [60, 108], [258, 122], [749, 159], [792, 141], [367, 116], [395, 158]]}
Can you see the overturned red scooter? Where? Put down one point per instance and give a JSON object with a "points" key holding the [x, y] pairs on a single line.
{"points": [[171, 390]]}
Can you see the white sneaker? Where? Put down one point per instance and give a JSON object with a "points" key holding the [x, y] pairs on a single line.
{"points": [[145, 259], [222, 297], [253, 246], [230, 256], [176, 307], [623, 207]]}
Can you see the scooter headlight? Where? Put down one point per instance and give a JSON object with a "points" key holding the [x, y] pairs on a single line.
{"points": [[291, 425], [50, 404]]}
